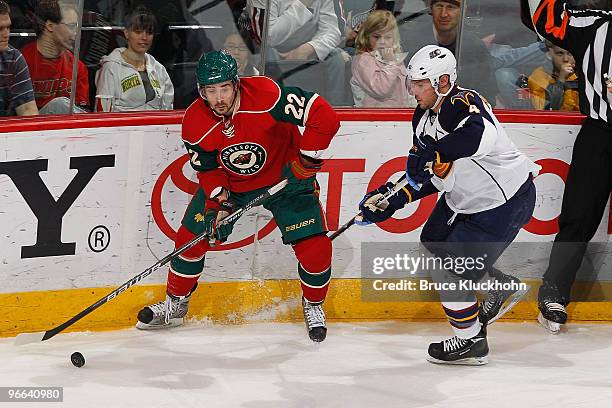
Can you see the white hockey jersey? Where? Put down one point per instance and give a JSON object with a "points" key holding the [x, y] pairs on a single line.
{"points": [[488, 169]]}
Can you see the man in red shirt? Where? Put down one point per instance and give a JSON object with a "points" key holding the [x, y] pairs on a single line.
{"points": [[50, 59], [243, 137]]}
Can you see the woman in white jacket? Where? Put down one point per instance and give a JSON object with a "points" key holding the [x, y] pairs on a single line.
{"points": [[135, 79]]}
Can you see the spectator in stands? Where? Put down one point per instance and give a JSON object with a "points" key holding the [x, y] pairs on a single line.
{"points": [[235, 45], [302, 35], [379, 73], [134, 78], [16, 93], [556, 88], [511, 66], [50, 59], [476, 63]]}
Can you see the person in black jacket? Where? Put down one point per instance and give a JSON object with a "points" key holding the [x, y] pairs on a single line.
{"points": [[475, 62], [586, 33]]}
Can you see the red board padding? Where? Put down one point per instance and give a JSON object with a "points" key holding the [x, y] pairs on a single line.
{"points": [[94, 120]]}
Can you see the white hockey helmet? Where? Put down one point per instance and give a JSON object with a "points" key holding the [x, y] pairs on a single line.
{"points": [[431, 62]]}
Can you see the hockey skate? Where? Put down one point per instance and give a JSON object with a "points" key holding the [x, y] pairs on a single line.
{"points": [[315, 320], [498, 302], [552, 310], [458, 351], [164, 314]]}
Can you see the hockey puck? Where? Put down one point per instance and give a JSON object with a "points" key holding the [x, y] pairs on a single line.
{"points": [[77, 359]]}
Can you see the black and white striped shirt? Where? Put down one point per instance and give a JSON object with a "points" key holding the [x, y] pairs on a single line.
{"points": [[587, 34]]}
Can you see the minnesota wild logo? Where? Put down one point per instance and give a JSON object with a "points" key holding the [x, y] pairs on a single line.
{"points": [[244, 158]]}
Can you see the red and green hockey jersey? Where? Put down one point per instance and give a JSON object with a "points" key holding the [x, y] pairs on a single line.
{"points": [[248, 150]]}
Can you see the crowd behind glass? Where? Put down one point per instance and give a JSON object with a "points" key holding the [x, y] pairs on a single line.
{"points": [[139, 55]]}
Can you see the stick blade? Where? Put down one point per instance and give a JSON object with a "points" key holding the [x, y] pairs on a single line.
{"points": [[27, 338]]}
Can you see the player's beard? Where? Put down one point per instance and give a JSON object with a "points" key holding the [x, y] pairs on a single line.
{"points": [[221, 110], [227, 108]]}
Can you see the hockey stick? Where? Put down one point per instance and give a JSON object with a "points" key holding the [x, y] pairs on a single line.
{"points": [[25, 338], [401, 183]]}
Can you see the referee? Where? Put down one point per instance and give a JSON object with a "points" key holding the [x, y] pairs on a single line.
{"points": [[587, 34]]}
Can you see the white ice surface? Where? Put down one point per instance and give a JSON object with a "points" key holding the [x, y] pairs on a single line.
{"points": [[373, 365]]}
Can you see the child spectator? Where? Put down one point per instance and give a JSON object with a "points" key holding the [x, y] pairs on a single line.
{"points": [[135, 79], [379, 73], [556, 90]]}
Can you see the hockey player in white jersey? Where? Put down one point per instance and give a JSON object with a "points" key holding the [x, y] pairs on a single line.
{"points": [[460, 149]]}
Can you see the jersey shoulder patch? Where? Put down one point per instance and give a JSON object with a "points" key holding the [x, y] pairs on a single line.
{"points": [[468, 100], [258, 94], [198, 122], [466, 97], [459, 106]]}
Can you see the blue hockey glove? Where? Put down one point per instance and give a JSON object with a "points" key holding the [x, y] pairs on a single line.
{"points": [[421, 158], [372, 211]]}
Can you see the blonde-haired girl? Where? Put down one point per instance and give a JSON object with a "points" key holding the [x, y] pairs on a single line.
{"points": [[379, 73]]}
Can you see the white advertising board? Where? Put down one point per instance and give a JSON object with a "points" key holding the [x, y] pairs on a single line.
{"points": [[93, 207]]}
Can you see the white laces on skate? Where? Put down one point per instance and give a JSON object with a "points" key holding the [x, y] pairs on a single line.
{"points": [[454, 343], [491, 301], [555, 307], [168, 311], [160, 308], [315, 317], [494, 300], [165, 308]]}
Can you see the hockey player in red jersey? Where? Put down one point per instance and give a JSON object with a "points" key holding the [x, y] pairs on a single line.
{"points": [[242, 137]]}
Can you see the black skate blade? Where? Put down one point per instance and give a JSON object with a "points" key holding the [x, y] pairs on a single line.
{"points": [[470, 361], [510, 303]]}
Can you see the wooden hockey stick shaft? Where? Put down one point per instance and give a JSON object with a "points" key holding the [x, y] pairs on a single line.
{"points": [[25, 338]]}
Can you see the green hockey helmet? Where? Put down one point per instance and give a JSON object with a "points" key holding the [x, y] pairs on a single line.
{"points": [[215, 67]]}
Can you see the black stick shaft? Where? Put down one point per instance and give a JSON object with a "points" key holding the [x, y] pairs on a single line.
{"points": [[231, 218]]}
